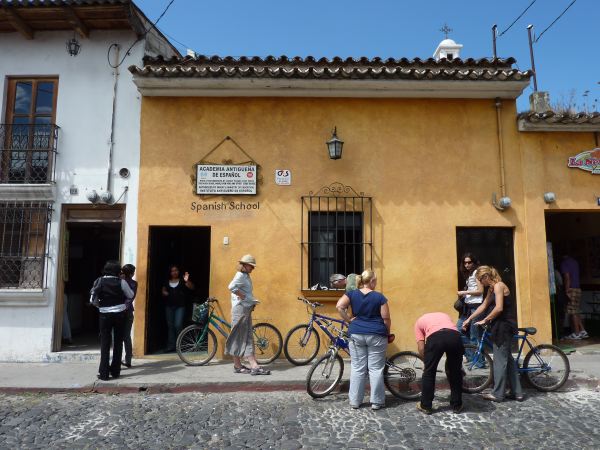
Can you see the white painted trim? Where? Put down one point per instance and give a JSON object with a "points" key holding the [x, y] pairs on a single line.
{"points": [[23, 297], [37, 192], [558, 127], [241, 87]]}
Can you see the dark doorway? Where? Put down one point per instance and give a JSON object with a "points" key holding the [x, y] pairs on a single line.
{"points": [[493, 246], [88, 247], [576, 234], [188, 248]]}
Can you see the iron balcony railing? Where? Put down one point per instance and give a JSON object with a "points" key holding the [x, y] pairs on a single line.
{"points": [[28, 153]]}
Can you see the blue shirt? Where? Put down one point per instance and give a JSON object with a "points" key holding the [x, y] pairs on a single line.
{"points": [[367, 312]]}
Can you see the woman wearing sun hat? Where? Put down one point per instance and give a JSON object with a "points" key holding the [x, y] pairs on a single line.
{"points": [[240, 343]]}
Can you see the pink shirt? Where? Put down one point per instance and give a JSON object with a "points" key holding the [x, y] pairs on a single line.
{"points": [[429, 323]]}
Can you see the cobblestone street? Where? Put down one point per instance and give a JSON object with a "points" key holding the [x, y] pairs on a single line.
{"points": [[290, 420]]}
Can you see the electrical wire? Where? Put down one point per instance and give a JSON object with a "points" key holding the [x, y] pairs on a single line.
{"points": [[152, 25], [517, 19], [554, 21]]}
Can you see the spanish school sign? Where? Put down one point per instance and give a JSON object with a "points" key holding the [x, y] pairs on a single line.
{"points": [[588, 161], [216, 179]]}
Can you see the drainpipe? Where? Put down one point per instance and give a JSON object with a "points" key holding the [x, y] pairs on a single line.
{"points": [[112, 124], [504, 201]]}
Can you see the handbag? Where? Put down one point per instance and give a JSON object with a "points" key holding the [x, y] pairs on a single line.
{"points": [[459, 305]]}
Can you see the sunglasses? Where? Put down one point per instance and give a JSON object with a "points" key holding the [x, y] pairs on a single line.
{"points": [[468, 262]]}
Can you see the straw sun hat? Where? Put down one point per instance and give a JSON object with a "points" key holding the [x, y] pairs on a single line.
{"points": [[248, 259]]}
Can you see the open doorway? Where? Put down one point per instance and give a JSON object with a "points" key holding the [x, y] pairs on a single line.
{"points": [[577, 234], [88, 246], [189, 249], [493, 246]]}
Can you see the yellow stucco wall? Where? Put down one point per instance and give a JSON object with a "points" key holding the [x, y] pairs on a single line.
{"points": [[429, 164]]}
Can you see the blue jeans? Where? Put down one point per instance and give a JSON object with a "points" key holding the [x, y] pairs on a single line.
{"points": [[174, 316], [367, 354], [473, 334]]}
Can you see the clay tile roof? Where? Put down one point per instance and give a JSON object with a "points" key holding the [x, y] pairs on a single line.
{"points": [[336, 68], [557, 121]]}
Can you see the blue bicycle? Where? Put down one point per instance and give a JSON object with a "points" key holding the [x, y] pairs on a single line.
{"points": [[301, 344], [545, 366], [402, 372]]}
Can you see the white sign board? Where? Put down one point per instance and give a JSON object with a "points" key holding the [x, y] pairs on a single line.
{"points": [[283, 177], [216, 179]]}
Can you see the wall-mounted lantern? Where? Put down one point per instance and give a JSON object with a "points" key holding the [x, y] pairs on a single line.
{"points": [[549, 197], [334, 146], [73, 46]]}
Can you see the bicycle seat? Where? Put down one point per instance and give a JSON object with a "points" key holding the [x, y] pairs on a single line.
{"points": [[529, 330]]}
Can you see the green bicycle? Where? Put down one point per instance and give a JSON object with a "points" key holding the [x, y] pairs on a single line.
{"points": [[197, 344]]}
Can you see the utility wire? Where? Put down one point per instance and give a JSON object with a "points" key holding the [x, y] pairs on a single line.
{"points": [[517, 19], [152, 25], [554, 21]]}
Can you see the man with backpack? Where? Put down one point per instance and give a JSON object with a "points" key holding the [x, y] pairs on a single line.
{"points": [[109, 294]]}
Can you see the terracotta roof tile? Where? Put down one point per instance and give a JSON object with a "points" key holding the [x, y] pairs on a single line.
{"points": [[335, 68], [555, 121]]}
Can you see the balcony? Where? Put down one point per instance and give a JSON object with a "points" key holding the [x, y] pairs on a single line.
{"points": [[28, 153]]}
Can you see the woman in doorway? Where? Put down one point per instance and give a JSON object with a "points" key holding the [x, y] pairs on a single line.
{"points": [[472, 295], [127, 273], [369, 330], [175, 292], [240, 343], [503, 321]]}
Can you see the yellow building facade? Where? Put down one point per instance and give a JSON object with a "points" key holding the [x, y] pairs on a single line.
{"points": [[425, 148]]}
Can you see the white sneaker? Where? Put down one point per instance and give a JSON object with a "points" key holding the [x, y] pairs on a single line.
{"points": [[573, 337], [583, 335]]}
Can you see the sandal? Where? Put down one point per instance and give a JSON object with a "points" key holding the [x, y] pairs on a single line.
{"points": [[260, 371], [242, 369]]}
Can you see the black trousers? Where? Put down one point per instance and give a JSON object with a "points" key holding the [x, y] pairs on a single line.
{"points": [[127, 335], [111, 324], [449, 342]]}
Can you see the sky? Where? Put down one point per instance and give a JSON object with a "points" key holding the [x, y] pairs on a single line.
{"points": [[566, 56]]}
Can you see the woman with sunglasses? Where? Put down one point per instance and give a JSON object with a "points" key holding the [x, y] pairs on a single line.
{"points": [[503, 321], [472, 295]]}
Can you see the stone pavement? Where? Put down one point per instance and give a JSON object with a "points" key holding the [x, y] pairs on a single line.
{"points": [[292, 420]]}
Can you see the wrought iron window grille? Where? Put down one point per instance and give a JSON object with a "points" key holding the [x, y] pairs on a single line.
{"points": [[24, 231], [28, 153], [336, 234]]}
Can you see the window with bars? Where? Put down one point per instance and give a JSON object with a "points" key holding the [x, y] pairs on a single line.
{"points": [[28, 139], [23, 244], [336, 234]]}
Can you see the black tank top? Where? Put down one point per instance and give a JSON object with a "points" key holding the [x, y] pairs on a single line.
{"points": [[505, 325]]}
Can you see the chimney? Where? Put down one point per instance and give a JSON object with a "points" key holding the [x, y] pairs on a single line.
{"points": [[539, 102]]}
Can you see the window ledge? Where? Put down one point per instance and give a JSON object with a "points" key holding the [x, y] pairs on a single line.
{"points": [[37, 192], [23, 297], [328, 296]]}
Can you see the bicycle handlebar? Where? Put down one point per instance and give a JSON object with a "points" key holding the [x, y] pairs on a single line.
{"points": [[308, 302]]}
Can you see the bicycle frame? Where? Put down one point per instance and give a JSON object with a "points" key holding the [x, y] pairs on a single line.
{"points": [[324, 323], [522, 337]]}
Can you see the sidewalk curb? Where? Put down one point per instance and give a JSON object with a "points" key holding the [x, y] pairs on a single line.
{"points": [[225, 387]]}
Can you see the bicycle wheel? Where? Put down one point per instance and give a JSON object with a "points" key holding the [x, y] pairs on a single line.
{"points": [[301, 345], [324, 375], [267, 343], [402, 375], [546, 367], [477, 369], [195, 349]]}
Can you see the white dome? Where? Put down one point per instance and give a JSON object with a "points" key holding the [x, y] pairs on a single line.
{"points": [[447, 42]]}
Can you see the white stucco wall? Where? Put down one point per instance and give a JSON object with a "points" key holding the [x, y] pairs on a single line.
{"points": [[84, 108]]}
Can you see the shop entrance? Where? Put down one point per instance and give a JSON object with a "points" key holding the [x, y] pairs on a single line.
{"points": [[493, 246], [577, 234], [189, 249], [87, 248]]}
